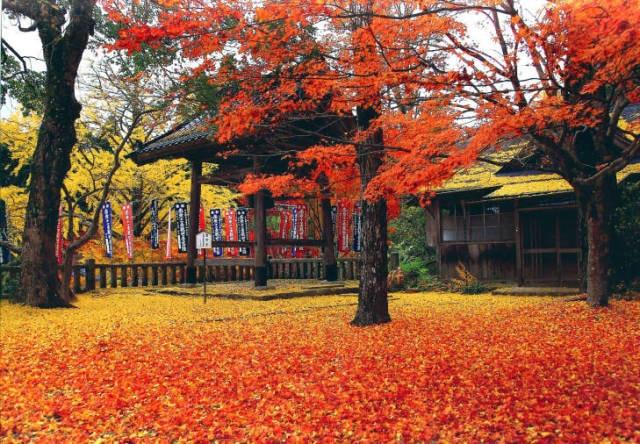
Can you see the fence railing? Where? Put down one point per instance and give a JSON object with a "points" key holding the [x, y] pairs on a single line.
{"points": [[90, 276]]}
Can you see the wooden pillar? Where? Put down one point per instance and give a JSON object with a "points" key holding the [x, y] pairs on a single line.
{"points": [[194, 216], [438, 229], [260, 273], [328, 252], [518, 239]]}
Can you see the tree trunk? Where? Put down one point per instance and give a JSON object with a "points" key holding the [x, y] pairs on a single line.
{"points": [[41, 286], [597, 205], [372, 296]]}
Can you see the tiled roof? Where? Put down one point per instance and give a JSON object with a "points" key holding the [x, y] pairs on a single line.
{"points": [[631, 113], [483, 175], [190, 131]]}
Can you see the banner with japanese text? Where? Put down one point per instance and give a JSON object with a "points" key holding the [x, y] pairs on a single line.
{"points": [[168, 253], [242, 221], [127, 228], [59, 237], [155, 229], [216, 229], [357, 228], [231, 230], [182, 226], [107, 229]]}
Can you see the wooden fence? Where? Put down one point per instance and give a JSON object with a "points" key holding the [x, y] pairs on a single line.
{"points": [[90, 276]]}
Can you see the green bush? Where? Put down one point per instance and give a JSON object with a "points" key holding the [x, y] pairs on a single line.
{"points": [[626, 247], [417, 260]]}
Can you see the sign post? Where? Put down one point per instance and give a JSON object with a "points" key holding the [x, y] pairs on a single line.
{"points": [[203, 242]]}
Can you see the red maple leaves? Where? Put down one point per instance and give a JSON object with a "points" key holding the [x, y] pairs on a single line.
{"points": [[450, 368]]}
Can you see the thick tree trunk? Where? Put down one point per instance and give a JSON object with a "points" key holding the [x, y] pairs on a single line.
{"points": [[372, 297], [41, 286], [597, 205], [62, 51]]}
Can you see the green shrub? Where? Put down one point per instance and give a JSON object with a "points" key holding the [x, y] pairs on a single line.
{"points": [[626, 246]]}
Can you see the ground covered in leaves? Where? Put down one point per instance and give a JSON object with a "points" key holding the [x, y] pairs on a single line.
{"points": [[126, 366]]}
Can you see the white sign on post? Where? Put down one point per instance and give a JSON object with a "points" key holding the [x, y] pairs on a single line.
{"points": [[203, 240]]}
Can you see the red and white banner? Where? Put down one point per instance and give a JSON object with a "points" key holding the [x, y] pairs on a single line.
{"points": [[127, 228], [59, 237], [343, 225], [167, 254], [231, 230], [302, 213], [285, 228], [202, 224]]}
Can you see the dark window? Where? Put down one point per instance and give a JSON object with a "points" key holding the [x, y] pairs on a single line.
{"points": [[477, 222]]}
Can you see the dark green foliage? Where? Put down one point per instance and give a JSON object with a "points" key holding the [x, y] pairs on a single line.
{"points": [[8, 174], [626, 246], [417, 260], [26, 86], [407, 235], [473, 288]]}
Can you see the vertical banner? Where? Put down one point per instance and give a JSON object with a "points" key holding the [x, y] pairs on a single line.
{"points": [[155, 229], [107, 229], [357, 228], [231, 230], [242, 222], [5, 254], [59, 237], [301, 230], [216, 229], [127, 228], [334, 223], [283, 228], [295, 226], [167, 254], [343, 227], [182, 228], [202, 223]]}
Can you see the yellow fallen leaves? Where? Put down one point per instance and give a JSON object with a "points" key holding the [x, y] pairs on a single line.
{"points": [[127, 365]]}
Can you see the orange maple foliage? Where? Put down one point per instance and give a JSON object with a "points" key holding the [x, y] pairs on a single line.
{"points": [[417, 66], [451, 368], [424, 97]]}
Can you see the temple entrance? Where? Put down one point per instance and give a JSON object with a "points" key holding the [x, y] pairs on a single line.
{"points": [[550, 253]]}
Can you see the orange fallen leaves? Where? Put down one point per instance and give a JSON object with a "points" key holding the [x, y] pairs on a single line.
{"points": [[127, 367]]}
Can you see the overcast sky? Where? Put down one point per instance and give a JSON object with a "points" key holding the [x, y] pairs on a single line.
{"points": [[28, 44]]}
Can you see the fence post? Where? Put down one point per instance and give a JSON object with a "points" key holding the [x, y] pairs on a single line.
{"points": [[90, 269]]}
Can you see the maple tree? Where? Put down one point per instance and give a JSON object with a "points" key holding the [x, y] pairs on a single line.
{"points": [[562, 82], [419, 85], [307, 60]]}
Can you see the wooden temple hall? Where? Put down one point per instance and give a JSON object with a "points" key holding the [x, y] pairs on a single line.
{"points": [[259, 153]]}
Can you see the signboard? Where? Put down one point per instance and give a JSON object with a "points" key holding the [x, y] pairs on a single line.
{"points": [[203, 240]]}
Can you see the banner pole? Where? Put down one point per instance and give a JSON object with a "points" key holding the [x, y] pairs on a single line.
{"points": [[204, 278]]}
